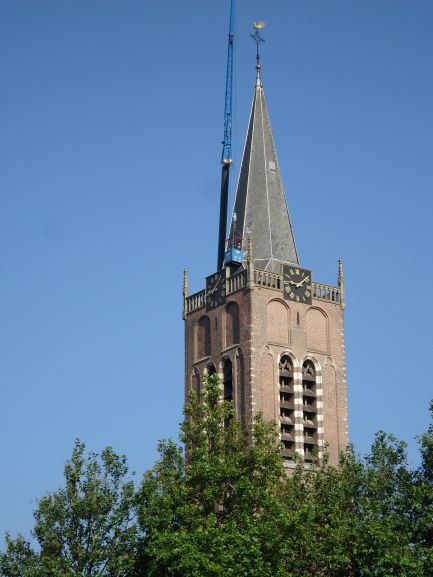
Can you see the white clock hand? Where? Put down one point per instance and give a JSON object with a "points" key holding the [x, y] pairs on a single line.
{"points": [[215, 287]]}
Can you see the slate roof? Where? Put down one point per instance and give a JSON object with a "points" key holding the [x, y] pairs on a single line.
{"points": [[260, 202]]}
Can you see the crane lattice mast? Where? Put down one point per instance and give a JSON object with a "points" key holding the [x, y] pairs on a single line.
{"points": [[228, 103], [226, 159]]}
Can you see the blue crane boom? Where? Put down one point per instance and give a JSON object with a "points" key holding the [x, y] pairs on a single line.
{"points": [[226, 159], [227, 142]]}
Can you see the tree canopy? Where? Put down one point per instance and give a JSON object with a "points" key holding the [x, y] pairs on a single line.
{"points": [[220, 503], [85, 529]]}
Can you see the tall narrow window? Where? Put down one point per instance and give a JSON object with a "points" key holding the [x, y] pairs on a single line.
{"points": [[232, 324], [211, 370], [228, 380], [316, 330], [195, 383], [309, 408], [241, 396], [287, 407], [203, 338]]}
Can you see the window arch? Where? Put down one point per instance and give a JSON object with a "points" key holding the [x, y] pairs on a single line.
{"points": [[232, 324], [240, 384], [287, 406], [210, 369], [278, 321], [195, 382], [309, 408], [228, 380], [316, 322], [203, 345]]}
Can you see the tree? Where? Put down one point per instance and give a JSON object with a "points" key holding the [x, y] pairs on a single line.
{"points": [[422, 501], [225, 506], [357, 522], [217, 511], [229, 509], [85, 529]]}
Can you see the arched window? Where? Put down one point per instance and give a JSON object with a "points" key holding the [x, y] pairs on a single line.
{"points": [[228, 380], [195, 383], [211, 370], [278, 322], [241, 396], [203, 338], [316, 329], [232, 324], [287, 407], [309, 408]]}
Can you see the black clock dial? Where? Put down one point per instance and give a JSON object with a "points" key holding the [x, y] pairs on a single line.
{"points": [[215, 290], [297, 284]]}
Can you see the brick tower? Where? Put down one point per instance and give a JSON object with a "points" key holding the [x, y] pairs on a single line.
{"points": [[273, 334]]}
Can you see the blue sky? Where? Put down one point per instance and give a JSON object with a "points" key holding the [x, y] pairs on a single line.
{"points": [[111, 125]]}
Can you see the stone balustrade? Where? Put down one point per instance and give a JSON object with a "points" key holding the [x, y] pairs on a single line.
{"points": [[267, 279], [236, 282], [195, 301], [262, 278], [326, 292]]}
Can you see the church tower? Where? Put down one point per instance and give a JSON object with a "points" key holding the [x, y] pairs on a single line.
{"points": [[272, 332]]}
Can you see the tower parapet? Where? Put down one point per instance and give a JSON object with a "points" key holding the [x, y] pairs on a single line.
{"points": [[262, 278]]}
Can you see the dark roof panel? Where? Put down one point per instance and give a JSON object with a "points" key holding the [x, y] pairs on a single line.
{"points": [[260, 203]]}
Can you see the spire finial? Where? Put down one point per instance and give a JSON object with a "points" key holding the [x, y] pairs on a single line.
{"points": [[341, 283], [258, 39]]}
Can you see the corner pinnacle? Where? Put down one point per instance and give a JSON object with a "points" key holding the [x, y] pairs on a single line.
{"points": [[341, 283]]}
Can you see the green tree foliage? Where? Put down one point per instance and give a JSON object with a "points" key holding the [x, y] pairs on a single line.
{"points": [[354, 520], [229, 509], [422, 501], [85, 529], [216, 512], [225, 506]]}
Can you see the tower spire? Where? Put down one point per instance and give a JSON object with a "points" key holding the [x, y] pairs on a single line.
{"points": [[260, 203]]}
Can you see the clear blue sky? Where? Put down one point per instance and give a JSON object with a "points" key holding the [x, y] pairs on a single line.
{"points": [[111, 122]]}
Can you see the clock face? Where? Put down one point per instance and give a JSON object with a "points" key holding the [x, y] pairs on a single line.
{"points": [[215, 290], [297, 284]]}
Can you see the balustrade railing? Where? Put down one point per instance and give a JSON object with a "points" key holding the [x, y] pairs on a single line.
{"points": [[266, 279], [236, 282], [195, 301], [326, 292]]}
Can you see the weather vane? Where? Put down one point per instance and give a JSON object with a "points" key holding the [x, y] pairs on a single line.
{"points": [[258, 39]]}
